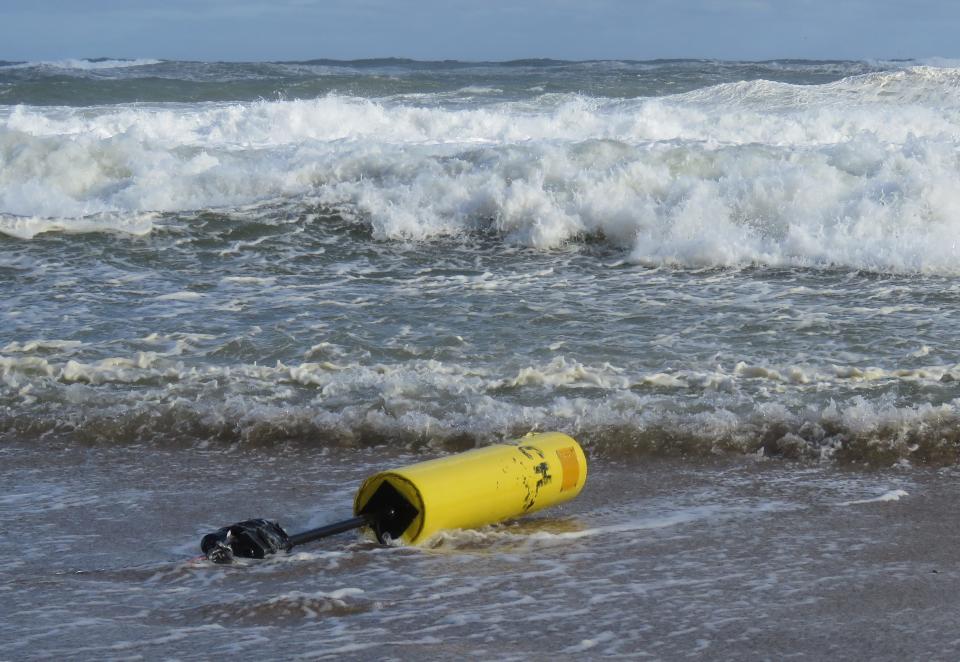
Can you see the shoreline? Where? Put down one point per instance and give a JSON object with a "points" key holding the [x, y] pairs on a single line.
{"points": [[747, 559]]}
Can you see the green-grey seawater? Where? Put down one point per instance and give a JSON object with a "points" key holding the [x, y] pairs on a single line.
{"points": [[235, 289]]}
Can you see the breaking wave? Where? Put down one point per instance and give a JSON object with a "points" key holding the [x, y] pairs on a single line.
{"points": [[149, 398], [857, 173], [95, 64]]}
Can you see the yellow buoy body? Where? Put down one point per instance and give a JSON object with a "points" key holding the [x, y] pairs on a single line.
{"points": [[479, 487]]}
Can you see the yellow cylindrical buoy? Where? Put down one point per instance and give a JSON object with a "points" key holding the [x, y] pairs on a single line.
{"points": [[479, 487]]}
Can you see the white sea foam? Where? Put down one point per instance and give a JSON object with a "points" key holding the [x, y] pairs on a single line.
{"points": [[42, 345], [859, 173], [180, 296], [343, 401], [479, 90], [892, 495], [28, 227], [85, 65], [418, 378]]}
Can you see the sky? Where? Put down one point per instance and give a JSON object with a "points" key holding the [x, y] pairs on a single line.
{"points": [[478, 29]]}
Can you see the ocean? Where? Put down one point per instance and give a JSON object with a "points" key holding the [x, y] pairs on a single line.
{"points": [[234, 290]]}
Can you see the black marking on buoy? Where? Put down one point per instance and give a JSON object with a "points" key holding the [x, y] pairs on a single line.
{"points": [[390, 511], [527, 450]]}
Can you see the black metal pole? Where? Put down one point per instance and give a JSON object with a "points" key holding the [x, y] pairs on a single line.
{"points": [[329, 530]]}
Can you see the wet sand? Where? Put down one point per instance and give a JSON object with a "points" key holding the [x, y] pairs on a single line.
{"points": [[661, 559]]}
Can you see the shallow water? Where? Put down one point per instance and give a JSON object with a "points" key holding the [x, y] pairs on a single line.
{"points": [[665, 559]]}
